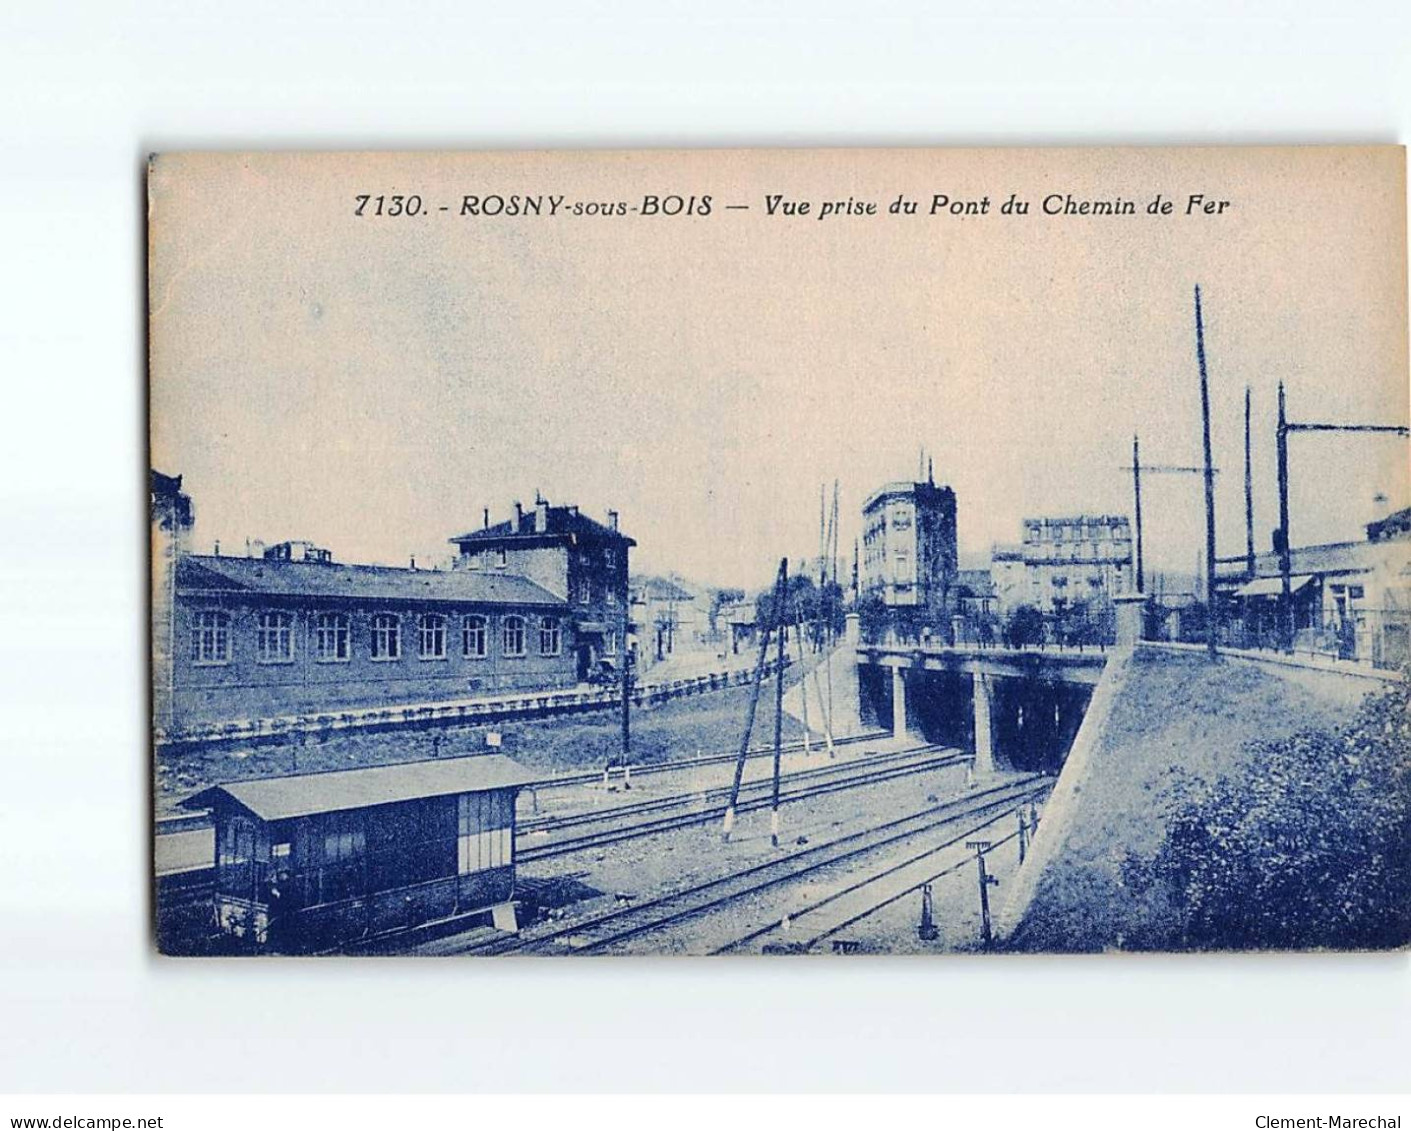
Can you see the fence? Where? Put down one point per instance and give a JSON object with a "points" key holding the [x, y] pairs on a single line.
{"points": [[525, 705]]}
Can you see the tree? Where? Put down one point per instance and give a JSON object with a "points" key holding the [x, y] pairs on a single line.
{"points": [[719, 598], [1308, 845], [1025, 625], [872, 617], [802, 602]]}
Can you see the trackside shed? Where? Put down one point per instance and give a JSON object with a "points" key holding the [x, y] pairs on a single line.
{"points": [[308, 862]]}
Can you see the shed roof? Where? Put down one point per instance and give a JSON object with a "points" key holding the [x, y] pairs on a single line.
{"points": [[199, 572], [276, 799]]}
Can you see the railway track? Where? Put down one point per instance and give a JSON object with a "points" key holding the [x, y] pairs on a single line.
{"points": [[555, 822], [675, 765], [817, 920], [604, 933], [196, 885], [174, 824], [711, 805]]}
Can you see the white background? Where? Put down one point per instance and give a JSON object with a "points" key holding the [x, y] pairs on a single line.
{"points": [[87, 89]]}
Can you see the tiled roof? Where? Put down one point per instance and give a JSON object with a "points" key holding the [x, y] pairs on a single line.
{"points": [[560, 521], [277, 799], [357, 582]]}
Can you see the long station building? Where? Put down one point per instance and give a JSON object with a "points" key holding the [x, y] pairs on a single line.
{"points": [[529, 604]]}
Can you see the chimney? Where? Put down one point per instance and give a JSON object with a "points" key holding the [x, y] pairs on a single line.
{"points": [[612, 519], [217, 547], [413, 565], [541, 515], [518, 516], [487, 518]]}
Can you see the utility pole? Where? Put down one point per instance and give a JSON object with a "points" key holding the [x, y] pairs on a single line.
{"points": [[927, 929], [1023, 834], [626, 701], [729, 823], [1285, 564], [1137, 507], [1138, 469], [981, 847], [1210, 596], [780, 633], [1285, 542], [803, 678], [1248, 490], [833, 578]]}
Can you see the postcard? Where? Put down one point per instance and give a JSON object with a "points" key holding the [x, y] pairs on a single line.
{"points": [[779, 552]]}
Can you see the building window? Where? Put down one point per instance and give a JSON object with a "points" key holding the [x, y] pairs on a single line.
{"points": [[610, 597], [473, 636], [514, 636], [274, 639], [431, 636], [386, 637], [610, 643], [503, 559], [550, 638], [332, 638], [210, 638]]}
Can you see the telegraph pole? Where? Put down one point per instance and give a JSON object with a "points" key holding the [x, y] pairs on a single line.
{"points": [[980, 847], [1138, 469], [1285, 565], [1137, 506], [729, 823], [779, 625], [1248, 490], [626, 699], [1210, 597], [1286, 543]]}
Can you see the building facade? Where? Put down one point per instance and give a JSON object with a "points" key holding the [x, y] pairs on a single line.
{"points": [[581, 562], [1068, 563], [671, 619], [1351, 600], [909, 554], [172, 517], [286, 630], [272, 636]]}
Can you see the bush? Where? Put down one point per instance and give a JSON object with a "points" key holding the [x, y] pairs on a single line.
{"points": [[1309, 847]]}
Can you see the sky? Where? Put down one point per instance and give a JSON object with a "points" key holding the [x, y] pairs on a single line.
{"points": [[372, 383]]}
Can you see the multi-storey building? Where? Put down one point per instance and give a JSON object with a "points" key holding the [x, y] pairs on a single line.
{"points": [[172, 518], [1008, 577], [564, 552], [671, 618], [270, 636], [288, 630], [1073, 562], [909, 556]]}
